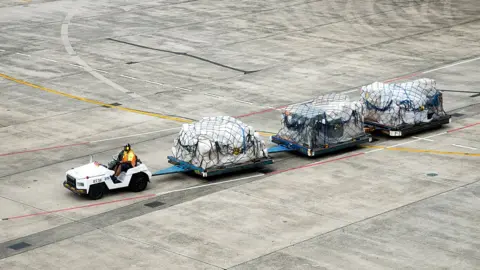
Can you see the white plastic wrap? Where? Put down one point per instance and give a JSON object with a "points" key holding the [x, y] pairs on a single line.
{"points": [[218, 141], [326, 120]]}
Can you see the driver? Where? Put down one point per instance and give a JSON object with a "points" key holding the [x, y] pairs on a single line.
{"points": [[127, 159]]}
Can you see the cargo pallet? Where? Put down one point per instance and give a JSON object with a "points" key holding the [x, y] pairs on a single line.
{"points": [[405, 130], [180, 166], [287, 146]]}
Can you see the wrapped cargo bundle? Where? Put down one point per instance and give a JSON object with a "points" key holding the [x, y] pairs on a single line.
{"points": [[218, 141], [399, 104], [327, 120]]}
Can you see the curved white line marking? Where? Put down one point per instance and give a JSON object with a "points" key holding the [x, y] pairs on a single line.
{"points": [[83, 64]]}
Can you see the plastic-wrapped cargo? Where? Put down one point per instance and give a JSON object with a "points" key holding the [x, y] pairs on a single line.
{"points": [[399, 104], [326, 120], [218, 141]]}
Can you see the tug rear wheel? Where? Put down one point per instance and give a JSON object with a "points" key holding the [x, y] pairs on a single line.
{"points": [[139, 182]]}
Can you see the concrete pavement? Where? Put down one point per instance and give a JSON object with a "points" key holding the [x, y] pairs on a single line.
{"points": [[372, 209]]}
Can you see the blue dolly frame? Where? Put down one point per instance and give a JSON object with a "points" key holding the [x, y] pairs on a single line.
{"points": [[180, 166], [286, 146]]}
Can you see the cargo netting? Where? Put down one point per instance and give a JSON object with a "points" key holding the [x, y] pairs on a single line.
{"points": [[326, 120], [399, 104], [217, 142]]}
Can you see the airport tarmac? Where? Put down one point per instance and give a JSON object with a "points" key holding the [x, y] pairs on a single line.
{"points": [[82, 78]]}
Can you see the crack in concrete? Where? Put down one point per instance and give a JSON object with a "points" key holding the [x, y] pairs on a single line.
{"points": [[185, 54]]}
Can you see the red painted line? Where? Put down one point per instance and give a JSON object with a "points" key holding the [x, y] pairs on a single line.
{"points": [[253, 113], [316, 163], [152, 195], [460, 128], [269, 110], [80, 207], [42, 149], [260, 112]]}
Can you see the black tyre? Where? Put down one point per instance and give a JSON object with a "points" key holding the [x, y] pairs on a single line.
{"points": [[139, 182], [96, 191]]}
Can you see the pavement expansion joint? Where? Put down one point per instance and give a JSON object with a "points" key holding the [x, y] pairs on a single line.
{"points": [[154, 204], [19, 246]]}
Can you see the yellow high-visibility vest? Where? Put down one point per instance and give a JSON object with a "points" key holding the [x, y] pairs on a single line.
{"points": [[129, 156]]}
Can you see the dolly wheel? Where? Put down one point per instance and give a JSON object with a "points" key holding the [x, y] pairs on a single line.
{"points": [[139, 182]]}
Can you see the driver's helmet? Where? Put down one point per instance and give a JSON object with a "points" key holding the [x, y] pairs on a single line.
{"points": [[127, 147]]}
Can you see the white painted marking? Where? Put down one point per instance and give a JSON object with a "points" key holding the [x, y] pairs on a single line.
{"points": [[23, 54], [68, 47], [207, 185], [2, 50], [242, 101], [416, 140], [435, 135], [99, 70], [212, 95], [75, 65], [373, 151], [128, 77], [452, 65], [467, 147], [276, 109], [51, 60], [20, 98], [184, 89], [135, 95], [392, 146], [422, 139], [84, 25], [302, 102], [135, 135], [350, 91], [152, 82]]}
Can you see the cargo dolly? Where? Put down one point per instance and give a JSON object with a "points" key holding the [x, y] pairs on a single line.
{"points": [[287, 146], [406, 130], [180, 166]]}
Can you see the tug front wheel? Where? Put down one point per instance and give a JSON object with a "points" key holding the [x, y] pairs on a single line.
{"points": [[139, 182], [97, 191]]}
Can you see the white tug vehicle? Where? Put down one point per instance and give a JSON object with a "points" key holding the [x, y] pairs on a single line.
{"points": [[94, 179]]}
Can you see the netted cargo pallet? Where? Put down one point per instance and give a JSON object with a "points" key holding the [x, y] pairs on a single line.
{"points": [[400, 109], [217, 145], [328, 123]]}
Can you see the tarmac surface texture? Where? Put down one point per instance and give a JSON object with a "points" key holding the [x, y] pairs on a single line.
{"points": [[81, 78]]}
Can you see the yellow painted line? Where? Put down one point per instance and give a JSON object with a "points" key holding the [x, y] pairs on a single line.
{"points": [[414, 150], [96, 102]]}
